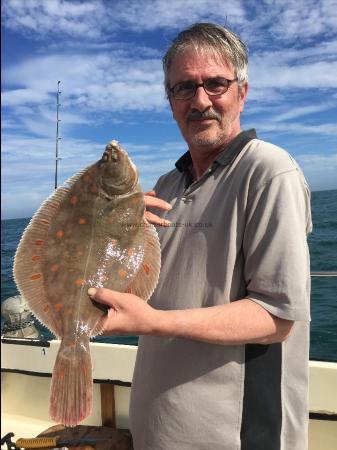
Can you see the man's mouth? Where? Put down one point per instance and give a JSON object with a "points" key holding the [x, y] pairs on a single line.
{"points": [[202, 120]]}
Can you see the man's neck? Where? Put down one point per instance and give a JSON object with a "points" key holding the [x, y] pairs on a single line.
{"points": [[202, 159]]}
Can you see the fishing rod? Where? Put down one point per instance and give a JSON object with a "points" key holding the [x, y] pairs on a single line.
{"points": [[58, 120]]}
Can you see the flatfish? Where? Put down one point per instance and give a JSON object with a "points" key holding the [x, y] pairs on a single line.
{"points": [[91, 232]]}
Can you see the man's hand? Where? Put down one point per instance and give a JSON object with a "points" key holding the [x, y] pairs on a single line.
{"points": [[239, 322], [152, 201], [127, 313]]}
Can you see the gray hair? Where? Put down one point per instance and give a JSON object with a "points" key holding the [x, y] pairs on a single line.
{"points": [[210, 37]]}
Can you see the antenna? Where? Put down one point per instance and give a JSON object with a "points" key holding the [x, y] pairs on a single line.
{"points": [[57, 159]]}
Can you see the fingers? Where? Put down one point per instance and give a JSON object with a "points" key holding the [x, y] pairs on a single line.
{"points": [[152, 201], [156, 220], [152, 193], [155, 202]]}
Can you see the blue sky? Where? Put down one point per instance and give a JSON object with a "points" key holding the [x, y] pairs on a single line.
{"points": [[107, 55]]}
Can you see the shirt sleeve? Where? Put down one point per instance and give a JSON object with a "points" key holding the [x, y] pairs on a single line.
{"points": [[277, 269]]}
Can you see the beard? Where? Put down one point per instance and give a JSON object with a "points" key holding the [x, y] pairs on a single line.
{"points": [[208, 137], [211, 135]]}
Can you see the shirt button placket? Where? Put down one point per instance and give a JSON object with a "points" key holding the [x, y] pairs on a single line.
{"points": [[187, 199]]}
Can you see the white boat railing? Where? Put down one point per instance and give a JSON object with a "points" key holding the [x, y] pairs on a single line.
{"points": [[323, 273]]}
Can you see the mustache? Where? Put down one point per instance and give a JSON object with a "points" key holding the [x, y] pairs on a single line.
{"points": [[208, 114]]}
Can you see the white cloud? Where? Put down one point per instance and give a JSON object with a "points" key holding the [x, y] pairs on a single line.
{"points": [[74, 18], [276, 70], [293, 128], [97, 19], [304, 19], [175, 14], [17, 97], [303, 111], [102, 81]]}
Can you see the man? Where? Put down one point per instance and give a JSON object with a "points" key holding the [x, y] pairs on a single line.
{"points": [[223, 355]]}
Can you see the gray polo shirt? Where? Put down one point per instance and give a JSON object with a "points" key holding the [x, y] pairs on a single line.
{"points": [[239, 231]]}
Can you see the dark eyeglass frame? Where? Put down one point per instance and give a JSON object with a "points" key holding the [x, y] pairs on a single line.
{"points": [[195, 86]]}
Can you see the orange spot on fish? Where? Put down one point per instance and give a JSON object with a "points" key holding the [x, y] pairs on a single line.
{"points": [[69, 311], [46, 308], [60, 234], [54, 267], [35, 257], [122, 273], [87, 178], [39, 242], [93, 188], [61, 373], [73, 200], [82, 221], [79, 282], [58, 307], [45, 221], [131, 251], [80, 253], [36, 276], [146, 269]]}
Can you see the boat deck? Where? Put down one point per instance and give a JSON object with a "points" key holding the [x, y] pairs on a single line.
{"points": [[25, 385]]}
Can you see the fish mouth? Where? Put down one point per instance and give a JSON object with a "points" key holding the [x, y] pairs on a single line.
{"points": [[113, 152]]}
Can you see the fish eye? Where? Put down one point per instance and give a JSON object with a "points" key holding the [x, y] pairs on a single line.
{"points": [[105, 156]]}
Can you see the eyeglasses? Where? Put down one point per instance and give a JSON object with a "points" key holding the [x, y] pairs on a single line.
{"points": [[185, 90]]}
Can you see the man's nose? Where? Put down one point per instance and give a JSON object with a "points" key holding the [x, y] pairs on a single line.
{"points": [[201, 100]]}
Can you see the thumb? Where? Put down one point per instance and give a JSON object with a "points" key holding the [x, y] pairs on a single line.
{"points": [[104, 296]]}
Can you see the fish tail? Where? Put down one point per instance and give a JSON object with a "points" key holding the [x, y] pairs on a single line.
{"points": [[71, 386]]}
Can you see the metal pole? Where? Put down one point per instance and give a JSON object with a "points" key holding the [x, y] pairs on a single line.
{"points": [[57, 132]]}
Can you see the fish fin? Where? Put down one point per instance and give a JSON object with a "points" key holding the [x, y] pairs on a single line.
{"points": [[29, 262], [71, 387], [74, 178], [99, 327], [146, 279], [30, 257]]}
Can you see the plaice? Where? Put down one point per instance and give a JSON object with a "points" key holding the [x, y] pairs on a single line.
{"points": [[89, 233]]}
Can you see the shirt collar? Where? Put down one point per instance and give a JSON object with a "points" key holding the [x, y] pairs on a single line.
{"points": [[227, 155]]}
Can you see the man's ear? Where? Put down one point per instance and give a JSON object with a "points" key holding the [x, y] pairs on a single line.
{"points": [[243, 92]]}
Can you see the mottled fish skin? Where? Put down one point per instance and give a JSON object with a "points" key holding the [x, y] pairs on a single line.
{"points": [[90, 233]]}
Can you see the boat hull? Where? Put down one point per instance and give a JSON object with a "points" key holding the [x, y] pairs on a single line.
{"points": [[25, 383]]}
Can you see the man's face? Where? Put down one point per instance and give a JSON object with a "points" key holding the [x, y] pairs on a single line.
{"points": [[206, 134]]}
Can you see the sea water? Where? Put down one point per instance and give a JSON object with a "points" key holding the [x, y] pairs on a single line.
{"points": [[323, 251]]}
